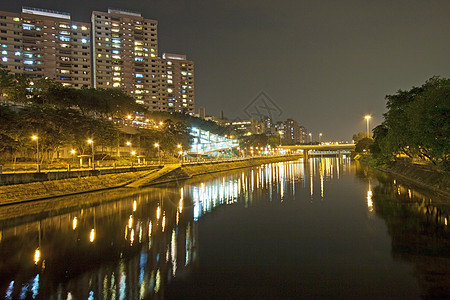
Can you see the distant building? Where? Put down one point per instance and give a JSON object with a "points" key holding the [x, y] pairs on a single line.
{"points": [[178, 83], [202, 112], [303, 135], [245, 127], [46, 44]]}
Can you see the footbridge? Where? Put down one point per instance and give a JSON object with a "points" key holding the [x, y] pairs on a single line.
{"points": [[322, 147]]}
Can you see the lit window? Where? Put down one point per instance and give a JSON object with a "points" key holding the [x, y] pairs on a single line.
{"points": [[16, 19], [84, 41], [4, 52], [74, 26], [17, 53], [4, 59], [83, 28]]}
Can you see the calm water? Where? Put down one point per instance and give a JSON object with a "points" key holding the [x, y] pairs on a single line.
{"points": [[328, 228]]}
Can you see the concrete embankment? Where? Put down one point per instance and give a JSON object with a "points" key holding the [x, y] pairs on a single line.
{"points": [[177, 172], [421, 176], [20, 193]]}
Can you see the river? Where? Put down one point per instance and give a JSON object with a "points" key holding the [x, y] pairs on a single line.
{"points": [[329, 228]]}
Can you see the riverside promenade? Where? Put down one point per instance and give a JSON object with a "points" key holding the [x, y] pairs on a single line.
{"points": [[92, 181]]}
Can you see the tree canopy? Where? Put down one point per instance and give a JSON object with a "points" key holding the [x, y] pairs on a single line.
{"points": [[416, 124]]}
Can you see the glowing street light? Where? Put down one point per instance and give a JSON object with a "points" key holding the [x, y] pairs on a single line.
{"points": [[90, 141], [73, 155], [129, 144], [179, 146], [367, 117], [280, 133], [159, 157], [310, 137], [36, 138], [320, 137]]}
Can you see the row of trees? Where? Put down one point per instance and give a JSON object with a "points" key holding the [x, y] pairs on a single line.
{"points": [[19, 88], [57, 128], [416, 124]]}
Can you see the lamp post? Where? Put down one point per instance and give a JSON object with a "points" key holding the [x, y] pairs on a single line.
{"points": [[36, 138], [73, 156], [129, 144], [159, 157], [280, 133], [90, 141], [367, 117], [320, 138], [310, 138], [133, 153], [181, 152]]}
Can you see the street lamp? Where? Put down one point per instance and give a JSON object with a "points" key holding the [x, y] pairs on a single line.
{"points": [[310, 138], [129, 144], [320, 138], [36, 138], [159, 157], [181, 152], [280, 133], [73, 156], [367, 117], [92, 144], [133, 153]]}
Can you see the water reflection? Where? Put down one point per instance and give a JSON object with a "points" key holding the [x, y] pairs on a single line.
{"points": [[135, 247]]}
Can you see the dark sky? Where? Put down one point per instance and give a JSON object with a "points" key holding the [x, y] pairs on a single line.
{"points": [[323, 63]]}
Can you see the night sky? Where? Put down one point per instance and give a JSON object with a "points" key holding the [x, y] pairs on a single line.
{"points": [[323, 63]]}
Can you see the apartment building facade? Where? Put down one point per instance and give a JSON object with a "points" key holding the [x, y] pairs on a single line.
{"points": [[46, 44], [125, 55], [177, 75], [118, 49]]}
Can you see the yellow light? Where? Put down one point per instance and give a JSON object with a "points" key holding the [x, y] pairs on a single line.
{"points": [[74, 223], [130, 222], [156, 145], [128, 143], [34, 137], [161, 123], [179, 145], [158, 212], [367, 117], [129, 117], [92, 235], [37, 255], [73, 151], [90, 141], [134, 205], [133, 152]]}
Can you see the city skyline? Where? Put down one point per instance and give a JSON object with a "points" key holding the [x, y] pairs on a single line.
{"points": [[325, 64]]}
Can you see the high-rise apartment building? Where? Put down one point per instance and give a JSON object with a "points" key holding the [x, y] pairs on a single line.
{"points": [[46, 44], [178, 83], [125, 55], [118, 49]]}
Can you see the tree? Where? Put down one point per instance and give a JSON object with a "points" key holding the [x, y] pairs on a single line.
{"points": [[363, 145], [416, 124]]}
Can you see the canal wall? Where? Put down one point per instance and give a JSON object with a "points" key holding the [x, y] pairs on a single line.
{"points": [[19, 193], [28, 177], [422, 176], [188, 171]]}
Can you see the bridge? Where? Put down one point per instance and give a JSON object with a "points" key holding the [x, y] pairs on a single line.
{"points": [[321, 147]]}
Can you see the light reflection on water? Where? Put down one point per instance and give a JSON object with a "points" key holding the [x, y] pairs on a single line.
{"points": [[135, 247]]}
